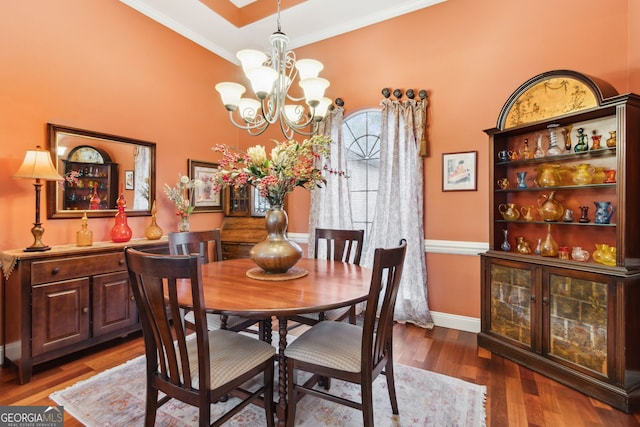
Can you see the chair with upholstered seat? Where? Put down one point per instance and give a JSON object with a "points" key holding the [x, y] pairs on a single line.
{"points": [[209, 248], [337, 245], [199, 368], [349, 352]]}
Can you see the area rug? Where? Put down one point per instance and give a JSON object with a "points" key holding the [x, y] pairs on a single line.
{"points": [[116, 397]]}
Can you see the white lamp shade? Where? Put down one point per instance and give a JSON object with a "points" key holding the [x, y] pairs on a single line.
{"points": [[293, 112], [322, 108], [251, 58], [248, 108], [314, 89], [37, 164], [309, 68], [262, 79], [230, 94]]}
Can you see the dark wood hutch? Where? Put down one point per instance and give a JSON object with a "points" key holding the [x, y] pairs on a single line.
{"points": [[575, 321]]}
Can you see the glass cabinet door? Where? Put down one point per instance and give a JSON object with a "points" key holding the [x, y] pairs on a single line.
{"points": [[578, 311], [510, 306]]}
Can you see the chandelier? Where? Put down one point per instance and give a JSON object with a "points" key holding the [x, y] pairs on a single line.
{"points": [[271, 77]]}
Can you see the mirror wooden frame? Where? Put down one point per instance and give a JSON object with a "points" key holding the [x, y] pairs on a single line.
{"points": [[86, 138]]}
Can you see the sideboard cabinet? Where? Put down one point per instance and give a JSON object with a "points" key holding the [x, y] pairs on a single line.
{"points": [[565, 146], [67, 299]]}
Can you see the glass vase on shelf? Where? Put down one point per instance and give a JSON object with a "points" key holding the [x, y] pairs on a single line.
{"points": [[538, 153], [554, 149]]}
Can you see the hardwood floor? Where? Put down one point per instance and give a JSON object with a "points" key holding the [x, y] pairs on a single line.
{"points": [[516, 396]]}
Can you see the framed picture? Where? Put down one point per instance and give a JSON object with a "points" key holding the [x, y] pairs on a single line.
{"points": [[205, 199], [128, 180], [459, 171]]}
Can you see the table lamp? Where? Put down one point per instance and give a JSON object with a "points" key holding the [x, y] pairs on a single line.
{"points": [[37, 165]]}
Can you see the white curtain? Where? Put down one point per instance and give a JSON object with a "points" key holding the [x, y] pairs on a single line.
{"points": [[399, 207], [331, 205]]}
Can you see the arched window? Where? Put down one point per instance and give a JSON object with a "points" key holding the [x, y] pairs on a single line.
{"points": [[361, 136]]}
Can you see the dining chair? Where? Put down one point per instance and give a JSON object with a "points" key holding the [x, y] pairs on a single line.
{"points": [[206, 244], [357, 354], [198, 369], [338, 245]]}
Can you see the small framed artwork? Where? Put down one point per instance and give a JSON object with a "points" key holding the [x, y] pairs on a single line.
{"points": [[128, 180], [459, 171], [205, 199]]}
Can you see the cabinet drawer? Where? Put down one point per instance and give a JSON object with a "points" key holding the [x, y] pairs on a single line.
{"points": [[67, 268]]}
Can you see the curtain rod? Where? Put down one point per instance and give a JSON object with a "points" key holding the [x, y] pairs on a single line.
{"points": [[386, 92]]}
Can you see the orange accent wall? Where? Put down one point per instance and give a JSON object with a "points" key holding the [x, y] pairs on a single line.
{"points": [[103, 66]]}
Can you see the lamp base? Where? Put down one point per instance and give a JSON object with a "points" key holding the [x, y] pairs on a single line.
{"points": [[37, 248], [37, 230]]}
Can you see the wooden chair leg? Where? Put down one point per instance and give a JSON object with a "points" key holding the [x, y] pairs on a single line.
{"points": [[367, 404], [151, 406], [391, 385]]}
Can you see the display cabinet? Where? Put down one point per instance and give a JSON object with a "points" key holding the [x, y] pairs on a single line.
{"points": [[95, 184], [561, 279]]}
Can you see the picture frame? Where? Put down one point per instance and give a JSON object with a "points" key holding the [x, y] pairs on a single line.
{"points": [[205, 199], [460, 171], [129, 180]]}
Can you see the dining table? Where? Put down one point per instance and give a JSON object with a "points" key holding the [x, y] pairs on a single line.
{"points": [[231, 288]]}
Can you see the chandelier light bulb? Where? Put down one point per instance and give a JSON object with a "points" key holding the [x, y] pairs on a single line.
{"points": [[251, 58], [293, 112], [308, 68], [230, 94], [321, 110], [262, 79], [314, 89], [248, 109]]}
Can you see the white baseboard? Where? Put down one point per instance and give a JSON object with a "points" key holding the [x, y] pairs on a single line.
{"points": [[454, 321]]}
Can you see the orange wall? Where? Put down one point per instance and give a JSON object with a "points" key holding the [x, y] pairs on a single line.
{"points": [[103, 66]]}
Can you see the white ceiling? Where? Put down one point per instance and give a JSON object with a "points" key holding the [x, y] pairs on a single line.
{"points": [[305, 23]]}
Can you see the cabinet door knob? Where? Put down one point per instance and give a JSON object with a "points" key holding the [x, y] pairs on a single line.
{"points": [[533, 298], [121, 262], [545, 300], [85, 309], [55, 271]]}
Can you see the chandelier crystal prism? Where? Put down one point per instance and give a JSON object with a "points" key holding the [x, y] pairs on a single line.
{"points": [[271, 77]]}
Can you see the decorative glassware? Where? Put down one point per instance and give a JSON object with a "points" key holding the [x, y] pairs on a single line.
{"points": [[567, 137], [611, 142], [549, 208], [505, 246], [595, 144], [582, 142], [153, 231], [121, 232], [94, 203], [526, 153], [522, 246], [549, 247], [554, 149], [579, 254], [584, 210], [604, 211], [84, 237], [538, 153], [521, 176]]}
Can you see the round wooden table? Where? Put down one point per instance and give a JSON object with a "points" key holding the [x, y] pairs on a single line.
{"points": [[328, 285]]}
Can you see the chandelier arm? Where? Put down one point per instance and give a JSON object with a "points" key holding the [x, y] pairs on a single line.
{"points": [[255, 127]]}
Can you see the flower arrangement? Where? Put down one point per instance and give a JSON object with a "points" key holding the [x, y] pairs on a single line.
{"points": [[291, 164], [182, 195]]}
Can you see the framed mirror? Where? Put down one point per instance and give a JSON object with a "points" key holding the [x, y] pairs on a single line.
{"points": [[97, 167]]}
